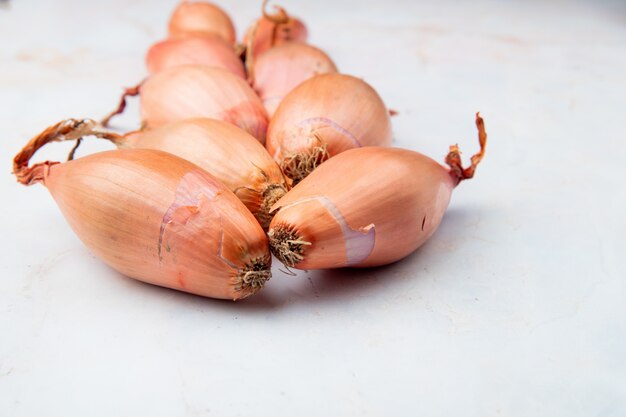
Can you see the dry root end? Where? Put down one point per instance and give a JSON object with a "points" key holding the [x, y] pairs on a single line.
{"points": [[271, 195], [128, 92], [453, 159], [253, 277], [287, 245], [297, 166], [69, 129]]}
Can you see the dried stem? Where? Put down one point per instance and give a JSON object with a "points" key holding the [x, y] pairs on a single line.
{"points": [[249, 61], [278, 18], [69, 129], [128, 92], [453, 159]]}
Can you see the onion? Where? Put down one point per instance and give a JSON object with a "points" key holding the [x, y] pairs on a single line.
{"points": [[271, 30], [201, 17], [154, 217], [366, 207], [208, 50], [323, 116], [197, 91], [283, 67], [228, 153]]}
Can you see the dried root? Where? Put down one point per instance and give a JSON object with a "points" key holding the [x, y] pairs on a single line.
{"points": [[287, 245], [271, 195], [297, 166], [253, 276]]}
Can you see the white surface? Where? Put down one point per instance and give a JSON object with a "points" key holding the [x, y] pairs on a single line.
{"points": [[516, 307]]}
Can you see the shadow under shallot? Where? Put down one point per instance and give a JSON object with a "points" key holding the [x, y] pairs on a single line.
{"points": [[290, 289]]}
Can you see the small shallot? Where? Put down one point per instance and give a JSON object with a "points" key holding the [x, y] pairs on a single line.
{"points": [[322, 117], [209, 50], [271, 30], [188, 91], [282, 68], [193, 17], [154, 217], [228, 153], [366, 207]]}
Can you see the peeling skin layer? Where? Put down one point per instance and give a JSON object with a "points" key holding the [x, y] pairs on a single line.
{"points": [[326, 121], [191, 189], [359, 242]]}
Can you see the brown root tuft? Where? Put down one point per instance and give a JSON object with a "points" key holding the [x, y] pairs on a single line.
{"points": [[287, 245], [251, 278], [271, 195], [297, 166]]}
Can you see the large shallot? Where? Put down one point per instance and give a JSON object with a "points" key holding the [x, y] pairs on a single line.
{"points": [[154, 217], [366, 207]]}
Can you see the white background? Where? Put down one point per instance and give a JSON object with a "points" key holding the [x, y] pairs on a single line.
{"points": [[516, 306]]}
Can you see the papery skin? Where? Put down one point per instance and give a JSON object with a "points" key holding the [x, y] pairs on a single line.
{"points": [[393, 198], [189, 91], [159, 219], [231, 155], [201, 17], [336, 110], [285, 66], [208, 50]]}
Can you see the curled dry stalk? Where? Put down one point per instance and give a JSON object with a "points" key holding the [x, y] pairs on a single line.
{"points": [[66, 130], [128, 92], [278, 18], [453, 159]]}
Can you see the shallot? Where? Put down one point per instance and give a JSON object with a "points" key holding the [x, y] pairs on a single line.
{"points": [[209, 50], [366, 207], [188, 91], [322, 117], [271, 30], [154, 217], [282, 68], [193, 17], [228, 153]]}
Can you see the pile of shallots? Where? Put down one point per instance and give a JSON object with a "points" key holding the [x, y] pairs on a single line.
{"points": [[245, 150]]}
